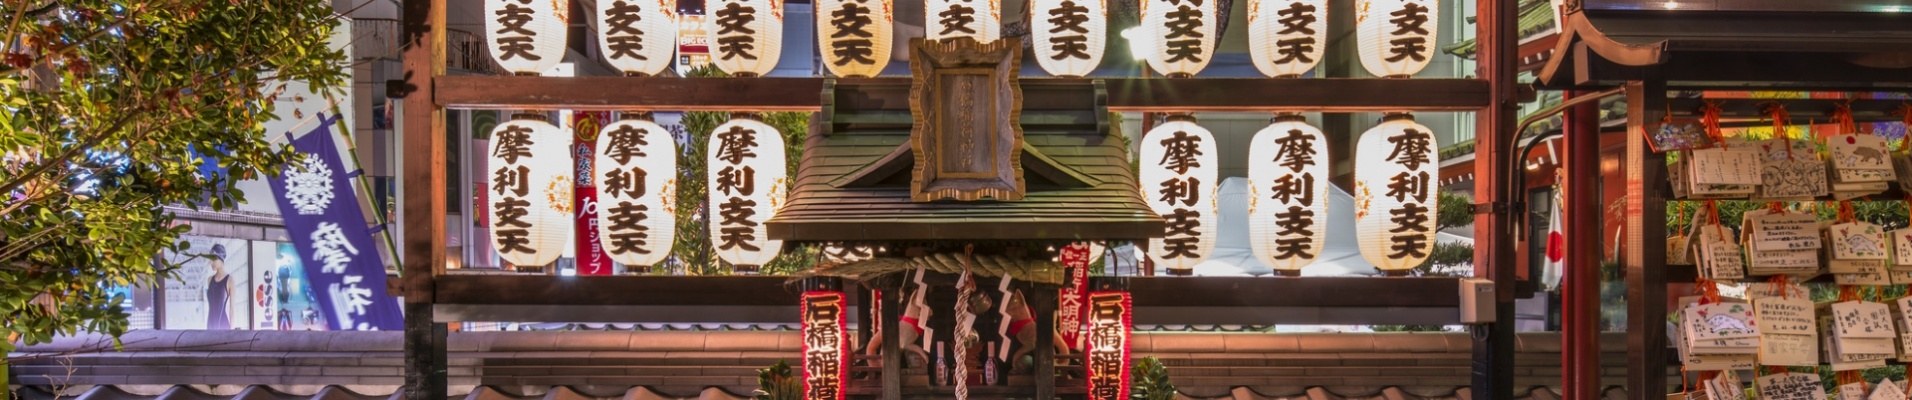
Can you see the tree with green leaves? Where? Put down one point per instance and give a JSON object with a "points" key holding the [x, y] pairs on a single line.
{"points": [[106, 104]]}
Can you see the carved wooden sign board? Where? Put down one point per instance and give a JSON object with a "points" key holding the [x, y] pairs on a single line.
{"points": [[966, 108]]}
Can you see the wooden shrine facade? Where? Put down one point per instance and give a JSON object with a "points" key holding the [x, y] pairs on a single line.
{"points": [[1850, 46], [1062, 175]]}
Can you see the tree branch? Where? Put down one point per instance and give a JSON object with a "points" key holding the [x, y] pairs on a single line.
{"points": [[75, 45]]}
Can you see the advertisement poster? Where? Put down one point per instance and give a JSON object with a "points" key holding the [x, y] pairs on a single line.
{"points": [[297, 307], [590, 250], [211, 288]]}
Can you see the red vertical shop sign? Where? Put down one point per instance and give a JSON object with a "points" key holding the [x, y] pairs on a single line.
{"points": [[1071, 302], [824, 345], [1108, 349], [590, 250]]}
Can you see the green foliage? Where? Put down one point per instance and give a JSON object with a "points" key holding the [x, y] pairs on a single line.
{"points": [[1455, 211], [103, 100], [692, 249], [1443, 258], [1149, 380], [778, 383]]}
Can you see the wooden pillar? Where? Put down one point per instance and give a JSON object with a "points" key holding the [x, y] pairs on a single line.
{"points": [[1581, 283], [1644, 258], [893, 304], [1043, 305], [1494, 196], [423, 252]]}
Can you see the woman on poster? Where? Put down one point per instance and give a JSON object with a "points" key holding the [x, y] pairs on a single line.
{"points": [[218, 291]]}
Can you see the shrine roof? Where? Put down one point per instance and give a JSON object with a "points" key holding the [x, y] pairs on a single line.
{"points": [[1822, 44], [853, 183]]}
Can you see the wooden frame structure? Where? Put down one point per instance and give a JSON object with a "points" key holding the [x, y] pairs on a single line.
{"points": [[1828, 46], [427, 92]]}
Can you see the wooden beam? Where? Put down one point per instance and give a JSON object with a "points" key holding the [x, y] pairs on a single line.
{"points": [[1644, 257], [1044, 304], [1801, 110], [803, 94], [618, 290], [423, 251], [1307, 292], [1495, 196], [1269, 95]]}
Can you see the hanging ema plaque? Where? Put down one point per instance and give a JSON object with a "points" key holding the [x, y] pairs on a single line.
{"points": [[1108, 348], [824, 338]]}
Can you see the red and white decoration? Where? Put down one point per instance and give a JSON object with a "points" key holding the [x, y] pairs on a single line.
{"points": [[746, 186], [1178, 181], [1072, 301], [637, 186]]}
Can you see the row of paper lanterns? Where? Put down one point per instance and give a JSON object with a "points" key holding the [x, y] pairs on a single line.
{"points": [[1287, 38], [529, 195], [1396, 175]]}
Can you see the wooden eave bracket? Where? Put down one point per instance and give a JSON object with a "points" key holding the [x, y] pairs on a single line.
{"points": [[1577, 27]]}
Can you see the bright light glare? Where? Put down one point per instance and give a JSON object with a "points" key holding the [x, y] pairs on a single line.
{"points": [[1139, 45], [1670, 5]]}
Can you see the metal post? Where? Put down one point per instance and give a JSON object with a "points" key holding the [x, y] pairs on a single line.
{"points": [[1493, 366], [1645, 256], [1581, 283], [423, 254]]}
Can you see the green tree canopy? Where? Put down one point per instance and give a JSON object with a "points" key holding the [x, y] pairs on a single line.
{"points": [[105, 103]]}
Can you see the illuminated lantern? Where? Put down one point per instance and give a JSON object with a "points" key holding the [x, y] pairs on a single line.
{"points": [[1178, 180], [638, 37], [854, 36], [746, 36], [1396, 36], [1396, 175], [530, 202], [1108, 352], [526, 37], [746, 186], [1069, 35], [825, 344], [1183, 37], [636, 177], [1288, 194], [975, 19], [1287, 37]]}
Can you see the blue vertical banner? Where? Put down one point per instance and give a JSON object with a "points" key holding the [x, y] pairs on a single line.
{"points": [[335, 246]]}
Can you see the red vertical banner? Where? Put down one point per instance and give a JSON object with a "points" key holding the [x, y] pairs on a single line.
{"points": [[1108, 349], [590, 249], [1070, 302], [825, 345]]}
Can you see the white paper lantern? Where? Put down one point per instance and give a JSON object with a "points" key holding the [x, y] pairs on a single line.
{"points": [[1182, 33], [1397, 174], [1286, 38], [975, 19], [638, 37], [526, 37], [636, 178], [746, 186], [854, 36], [1396, 37], [1069, 35], [1288, 194], [746, 36], [529, 201], [1178, 179]]}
